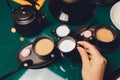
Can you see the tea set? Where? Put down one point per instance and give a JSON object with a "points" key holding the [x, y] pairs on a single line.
{"points": [[44, 50]]}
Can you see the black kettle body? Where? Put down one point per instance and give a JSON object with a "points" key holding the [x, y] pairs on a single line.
{"points": [[27, 20], [72, 11]]}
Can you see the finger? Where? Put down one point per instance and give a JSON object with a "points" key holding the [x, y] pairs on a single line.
{"points": [[89, 48], [84, 56]]}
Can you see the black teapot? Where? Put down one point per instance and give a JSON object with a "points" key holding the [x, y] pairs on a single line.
{"points": [[27, 20]]}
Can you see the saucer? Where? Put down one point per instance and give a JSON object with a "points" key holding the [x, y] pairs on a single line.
{"points": [[115, 14], [26, 53]]}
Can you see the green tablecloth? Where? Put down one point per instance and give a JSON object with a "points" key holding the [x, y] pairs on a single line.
{"points": [[10, 44]]}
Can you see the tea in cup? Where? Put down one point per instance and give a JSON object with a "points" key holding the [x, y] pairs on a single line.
{"points": [[106, 37], [44, 47]]}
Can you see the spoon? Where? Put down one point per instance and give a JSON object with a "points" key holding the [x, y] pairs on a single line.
{"points": [[25, 64]]}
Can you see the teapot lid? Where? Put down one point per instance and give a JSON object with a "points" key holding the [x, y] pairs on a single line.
{"points": [[24, 12]]}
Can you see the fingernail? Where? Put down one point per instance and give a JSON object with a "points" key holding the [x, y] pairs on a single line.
{"points": [[78, 45]]}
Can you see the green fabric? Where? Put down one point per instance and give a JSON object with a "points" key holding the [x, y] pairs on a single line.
{"points": [[10, 44]]}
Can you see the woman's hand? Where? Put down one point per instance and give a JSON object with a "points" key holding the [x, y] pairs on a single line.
{"points": [[93, 63]]}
